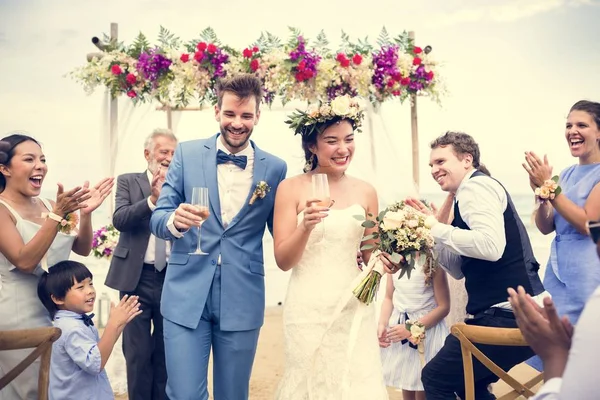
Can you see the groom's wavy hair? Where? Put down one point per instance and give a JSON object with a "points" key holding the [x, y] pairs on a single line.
{"points": [[590, 107], [462, 144], [7, 151], [242, 86]]}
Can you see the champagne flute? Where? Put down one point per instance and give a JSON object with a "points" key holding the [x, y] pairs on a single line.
{"points": [[200, 200], [320, 191]]}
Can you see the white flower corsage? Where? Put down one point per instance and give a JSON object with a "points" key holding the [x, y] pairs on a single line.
{"points": [[261, 190]]}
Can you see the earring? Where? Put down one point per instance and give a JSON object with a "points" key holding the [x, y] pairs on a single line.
{"points": [[309, 163]]}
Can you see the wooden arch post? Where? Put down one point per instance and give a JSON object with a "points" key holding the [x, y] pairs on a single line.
{"points": [[414, 132]]}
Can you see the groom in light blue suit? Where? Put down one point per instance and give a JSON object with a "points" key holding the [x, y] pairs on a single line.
{"points": [[217, 301]]}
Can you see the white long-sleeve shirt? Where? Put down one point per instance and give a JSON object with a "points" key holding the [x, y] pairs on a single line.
{"points": [[483, 202]]}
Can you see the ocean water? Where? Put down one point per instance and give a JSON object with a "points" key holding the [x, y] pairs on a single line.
{"points": [[276, 281]]}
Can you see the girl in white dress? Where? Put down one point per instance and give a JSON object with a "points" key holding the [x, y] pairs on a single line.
{"points": [[411, 299], [30, 239], [331, 347]]}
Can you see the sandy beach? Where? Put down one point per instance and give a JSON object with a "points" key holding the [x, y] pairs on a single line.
{"points": [[268, 365]]}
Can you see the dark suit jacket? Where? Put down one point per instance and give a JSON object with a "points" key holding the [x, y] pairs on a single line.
{"points": [[132, 219]]}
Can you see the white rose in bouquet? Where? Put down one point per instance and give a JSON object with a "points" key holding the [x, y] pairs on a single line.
{"points": [[417, 330], [341, 105], [393, 220]]}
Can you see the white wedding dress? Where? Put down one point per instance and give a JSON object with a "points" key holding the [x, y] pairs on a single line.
{"points": [[331, 346]]}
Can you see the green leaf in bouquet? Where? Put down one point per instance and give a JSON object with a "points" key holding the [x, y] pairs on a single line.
{"points": [[371, 236], [368, 246], [390, 235], [368, 224], [422, 258], [384, 38], [209, 35], [359, 217], [381, 215], [395, 257], [403, 271]]}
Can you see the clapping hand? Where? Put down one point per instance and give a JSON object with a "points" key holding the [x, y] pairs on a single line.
{"points": [[97, 194], [121, 314], [70, 201], [548, 335], [539, 171], [158, 178]]}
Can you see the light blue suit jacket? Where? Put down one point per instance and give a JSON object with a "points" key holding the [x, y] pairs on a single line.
{"points": [[188, 278]]}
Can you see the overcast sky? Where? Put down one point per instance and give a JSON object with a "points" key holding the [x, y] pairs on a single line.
{"points": [[512, 69]]}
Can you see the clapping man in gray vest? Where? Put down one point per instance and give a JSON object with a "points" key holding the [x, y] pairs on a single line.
{"points": [[138, 268]]}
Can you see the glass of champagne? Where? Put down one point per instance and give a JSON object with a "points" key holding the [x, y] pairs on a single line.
{"points": [[320, 191], [200, 201]]}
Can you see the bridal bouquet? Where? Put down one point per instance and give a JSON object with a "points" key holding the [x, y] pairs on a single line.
{"points": [[104, 241], [402, 232]]}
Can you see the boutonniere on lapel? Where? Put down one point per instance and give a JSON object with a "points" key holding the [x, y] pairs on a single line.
{"points": [[260, 191]]}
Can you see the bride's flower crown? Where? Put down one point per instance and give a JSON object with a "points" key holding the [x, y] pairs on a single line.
{"points": [[343, 107]]}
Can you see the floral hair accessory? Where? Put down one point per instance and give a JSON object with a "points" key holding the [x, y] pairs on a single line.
{"points": [[343, 107], [261, 190]]}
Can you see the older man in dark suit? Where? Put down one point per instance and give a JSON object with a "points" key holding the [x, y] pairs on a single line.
{"points": [[138, 268]]}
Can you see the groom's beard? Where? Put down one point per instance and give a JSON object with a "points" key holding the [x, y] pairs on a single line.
{"points": [[239, 143]]}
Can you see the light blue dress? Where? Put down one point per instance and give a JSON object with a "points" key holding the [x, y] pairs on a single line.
{"points": [[573, 270], [20, 307]]}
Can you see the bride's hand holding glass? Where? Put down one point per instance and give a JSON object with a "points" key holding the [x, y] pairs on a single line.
{"points": [[313, 214]]}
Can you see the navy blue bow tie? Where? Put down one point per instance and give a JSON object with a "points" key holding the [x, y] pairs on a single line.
{"points": [[240, 161], [87, 319]]}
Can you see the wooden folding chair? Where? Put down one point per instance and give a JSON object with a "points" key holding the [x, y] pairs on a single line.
{"points": [[469, 334], [41, 339]]}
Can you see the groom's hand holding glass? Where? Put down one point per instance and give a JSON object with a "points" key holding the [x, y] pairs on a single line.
{"points": [[188, 216]]}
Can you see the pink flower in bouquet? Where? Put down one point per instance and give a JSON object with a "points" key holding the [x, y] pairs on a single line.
{"points": [[185, 57], [116, 69], [131, 79]]}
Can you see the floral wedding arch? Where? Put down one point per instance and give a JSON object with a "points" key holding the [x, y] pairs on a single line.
{"points": [[182, 74]]}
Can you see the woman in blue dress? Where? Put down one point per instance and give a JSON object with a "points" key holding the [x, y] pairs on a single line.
{"points": [[573, 271]]}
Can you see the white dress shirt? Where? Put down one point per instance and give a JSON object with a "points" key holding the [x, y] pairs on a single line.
{"points": [[483, 202], [580, 379], [234, 186], [151, 249]]}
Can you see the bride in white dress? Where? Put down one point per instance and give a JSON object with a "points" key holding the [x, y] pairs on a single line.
{"points": [[331, 345]]}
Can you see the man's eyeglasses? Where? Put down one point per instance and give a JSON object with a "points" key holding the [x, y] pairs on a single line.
{"points": [[594, 228]]}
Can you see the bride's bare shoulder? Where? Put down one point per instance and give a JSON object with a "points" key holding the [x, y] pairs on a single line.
{"points": [[362, 185]]}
